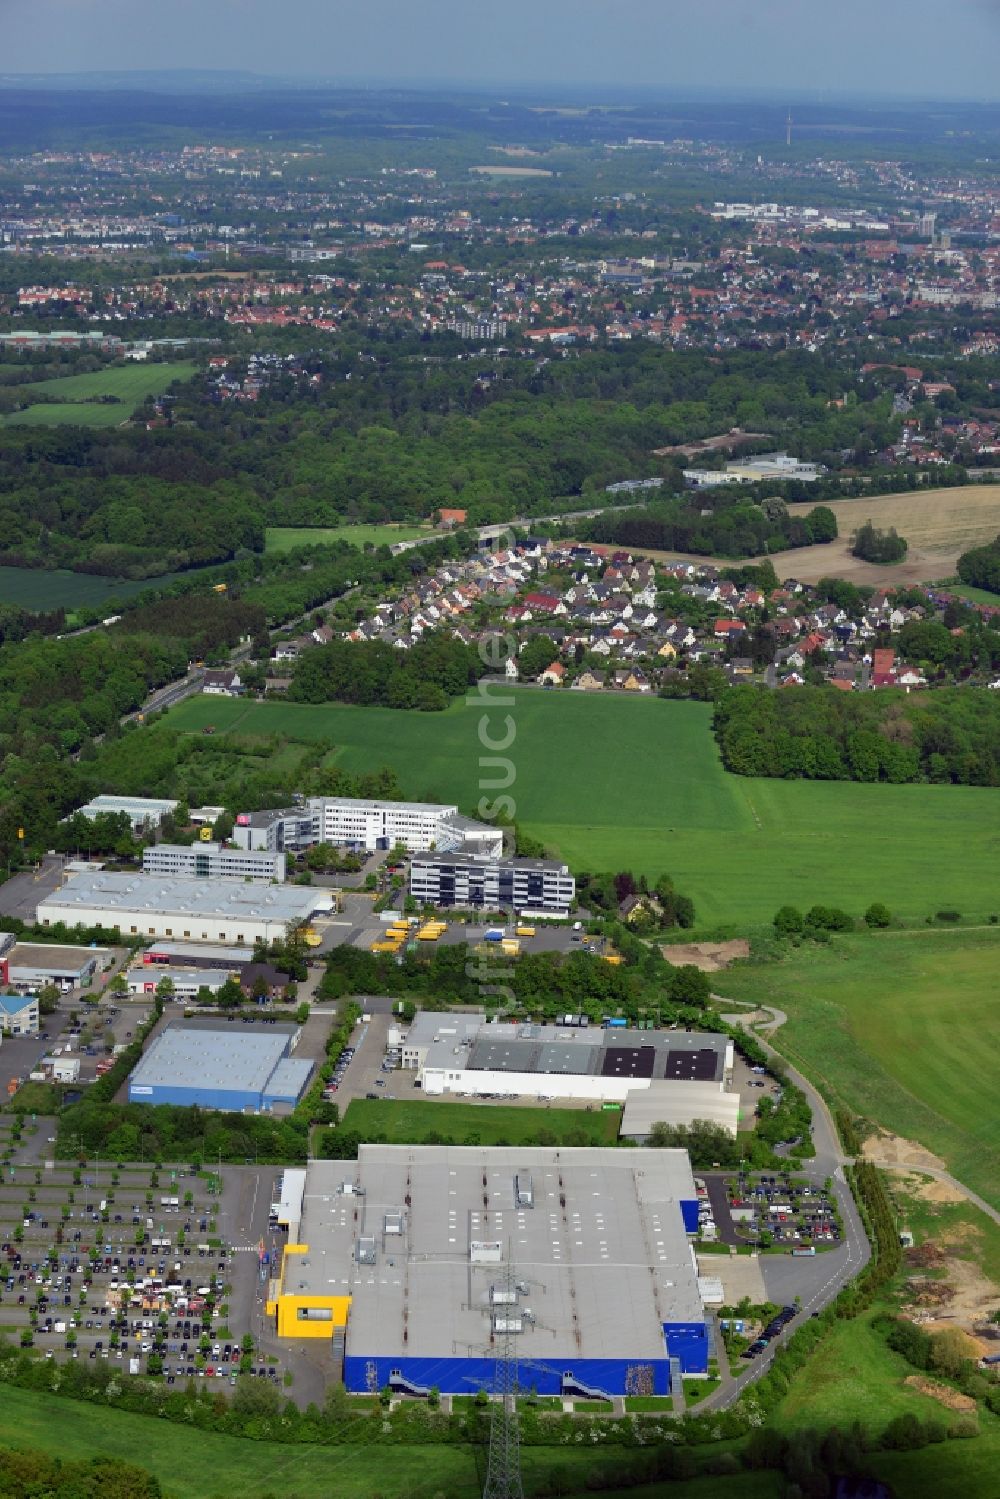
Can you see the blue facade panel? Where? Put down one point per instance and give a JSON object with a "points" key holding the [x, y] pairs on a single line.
{"points": [[206, 1098], [689, 1212], [688, 1341], [593, 1378]]}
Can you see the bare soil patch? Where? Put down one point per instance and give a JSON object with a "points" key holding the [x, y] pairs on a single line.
{"points": [[722, 442], [710, 957], [953, 1399], [495, 171], [892, 1150]]}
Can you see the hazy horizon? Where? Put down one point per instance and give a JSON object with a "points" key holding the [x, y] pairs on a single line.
{"points": [[897, 49]]}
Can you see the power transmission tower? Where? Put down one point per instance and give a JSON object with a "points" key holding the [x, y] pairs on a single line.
{"points": [[503, 1472]]}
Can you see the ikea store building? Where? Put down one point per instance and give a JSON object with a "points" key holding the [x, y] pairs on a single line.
{"points": [[415, 1259]]}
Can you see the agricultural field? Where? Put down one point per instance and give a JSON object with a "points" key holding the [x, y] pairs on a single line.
{"points": [[412, 1121], [899, 1026], [614, 783], [939, 525], [77, 395], [286, 538]]}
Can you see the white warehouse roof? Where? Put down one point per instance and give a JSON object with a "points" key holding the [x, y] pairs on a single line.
{"points": [[162, 896], [678, 1102]]}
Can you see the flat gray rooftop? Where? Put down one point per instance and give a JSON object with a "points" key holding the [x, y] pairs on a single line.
{"points": [[289, 1077], [602, 1255], [194, 953], [165, 896], [235, 1058], [56, 958], [456, 1041]]}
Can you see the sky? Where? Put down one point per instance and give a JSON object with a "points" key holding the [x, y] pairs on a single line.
{"points": [[934, 49]]}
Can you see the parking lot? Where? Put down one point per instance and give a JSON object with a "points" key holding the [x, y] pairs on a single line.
{"points": [[21, 893], [361, 1071], [770, 1211], [157, 1269], [366, 929]]}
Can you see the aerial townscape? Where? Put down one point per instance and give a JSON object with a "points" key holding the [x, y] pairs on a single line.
{"points": [[499, 752]]}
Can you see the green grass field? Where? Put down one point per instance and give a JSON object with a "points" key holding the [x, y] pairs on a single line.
{"points": [[285, 538], [837, 1385], [201, 1465], [39, 588], [131, 384], [623, 783], [196, 1465], [405, 1122], [901, 1027]]}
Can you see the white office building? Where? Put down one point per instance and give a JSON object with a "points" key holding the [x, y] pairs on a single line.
{"points": [[766, 466], [367, 825], [213, 861], [144, 812], [479, 881]]}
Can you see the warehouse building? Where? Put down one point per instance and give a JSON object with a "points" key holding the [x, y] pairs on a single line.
{"points": [[197, 955], [31, 965], [144, 812], [366, 824], [677, 1103], [269, 982], [401, 1258], [231, 1069], [186, 981], [196, 910], [465, 1054], [480, 880], [213, 861]]}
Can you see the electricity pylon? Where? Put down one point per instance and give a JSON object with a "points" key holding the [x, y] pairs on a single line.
{"points": [[503, 1472]]}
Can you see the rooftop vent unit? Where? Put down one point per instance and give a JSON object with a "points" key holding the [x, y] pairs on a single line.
{"points": [[503, 1323], [501, 1296], [524, 1191], [393, 1222], [485, 1251], [365, 1252]]}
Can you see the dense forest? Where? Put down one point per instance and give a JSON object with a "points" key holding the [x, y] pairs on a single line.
{"points": [[980, 568], [386, 432], [427, 676], [816, 733], [720, 522]]}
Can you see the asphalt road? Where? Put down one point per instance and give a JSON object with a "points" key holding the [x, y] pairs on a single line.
{"points": [[21, 893], [816, 1280]]}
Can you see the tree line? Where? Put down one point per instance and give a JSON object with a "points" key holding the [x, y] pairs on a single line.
{"points": [[720, 523], [980, 567], [816, 733], [427, 676]]}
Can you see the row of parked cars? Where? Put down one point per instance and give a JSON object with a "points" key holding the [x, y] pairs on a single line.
{"points": [[773, 1330], [342, 1064]]}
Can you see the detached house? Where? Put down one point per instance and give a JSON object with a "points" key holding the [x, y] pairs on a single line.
{"points": [[222, 683]]}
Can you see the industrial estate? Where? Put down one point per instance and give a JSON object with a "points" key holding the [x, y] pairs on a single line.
{"points": [[499, 748]]}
